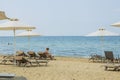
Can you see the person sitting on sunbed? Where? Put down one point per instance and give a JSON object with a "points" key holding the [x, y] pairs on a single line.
{"points": [[48, 54]]}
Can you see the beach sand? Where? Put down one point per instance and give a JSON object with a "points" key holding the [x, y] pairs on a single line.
{"points": [[64, 68]]}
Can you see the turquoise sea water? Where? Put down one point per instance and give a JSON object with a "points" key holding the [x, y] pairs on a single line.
{"points": [[76, 46]]}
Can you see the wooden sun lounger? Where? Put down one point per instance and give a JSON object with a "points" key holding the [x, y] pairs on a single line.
{"points": [[6, 59], [7, 75], [24, 61], [43, 61], [10, 76], [115, 67], [38, 61]]}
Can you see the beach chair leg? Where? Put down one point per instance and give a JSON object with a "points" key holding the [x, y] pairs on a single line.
{"points": [[30, 63], [106, 68], [25, 64], [116, 68], [37, 63], [3, 61], [19, 64], [46, 63]]}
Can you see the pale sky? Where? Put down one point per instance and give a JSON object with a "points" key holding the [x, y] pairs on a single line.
{"points": [[63, 17]]}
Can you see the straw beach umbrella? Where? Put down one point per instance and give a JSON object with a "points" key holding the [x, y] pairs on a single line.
{"points": [[101, 33], [3, 16], [15, 25], [117, 24], [28, 34]]}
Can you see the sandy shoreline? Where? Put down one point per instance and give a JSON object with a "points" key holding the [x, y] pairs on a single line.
{"points": [[64, 68]]}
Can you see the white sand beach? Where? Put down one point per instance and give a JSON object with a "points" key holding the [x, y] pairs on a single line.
{"points": [[64, 68]]}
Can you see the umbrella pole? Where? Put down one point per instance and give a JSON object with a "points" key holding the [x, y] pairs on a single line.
{"points": [[29, 42], [14, 42], [14, 45], [102, 44]]}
